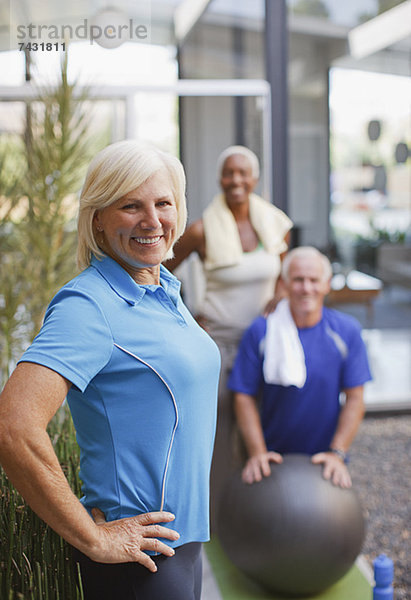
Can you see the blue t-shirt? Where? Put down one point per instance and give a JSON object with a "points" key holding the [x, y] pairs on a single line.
{"points": [[304, 419], [144, 393]]}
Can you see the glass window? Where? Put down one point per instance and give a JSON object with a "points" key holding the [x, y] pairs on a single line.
{"points": [[370, 169], [349, 12]]}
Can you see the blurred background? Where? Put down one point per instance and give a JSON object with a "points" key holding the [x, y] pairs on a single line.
{"points": [[319, 89]]}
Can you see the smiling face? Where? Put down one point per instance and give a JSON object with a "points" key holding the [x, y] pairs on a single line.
{"points": [[138, 229], [307, 287], [237, 180]]}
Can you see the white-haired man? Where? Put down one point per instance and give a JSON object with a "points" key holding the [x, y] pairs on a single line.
{"points": [[298, 360]]}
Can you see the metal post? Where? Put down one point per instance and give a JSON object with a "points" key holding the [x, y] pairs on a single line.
{"points": [[276, 54], [180, 101], [239, 109]]}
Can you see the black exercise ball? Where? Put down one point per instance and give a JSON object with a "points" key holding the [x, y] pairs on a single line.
{"points": [[293, 532]]}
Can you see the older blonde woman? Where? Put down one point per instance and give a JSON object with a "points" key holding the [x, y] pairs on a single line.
{"points": [[140, 378], [240, 239]]}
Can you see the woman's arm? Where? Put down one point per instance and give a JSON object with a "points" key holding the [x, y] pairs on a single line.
{"points": [[192, 240], [280, 290], [29, 400]]}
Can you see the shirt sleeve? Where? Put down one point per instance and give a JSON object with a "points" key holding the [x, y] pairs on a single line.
{"points": [[247, 373], [356, 369], [75, 339]]}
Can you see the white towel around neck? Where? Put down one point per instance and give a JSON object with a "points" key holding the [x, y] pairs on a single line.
{"points": [[223, 244], [284, 360]]}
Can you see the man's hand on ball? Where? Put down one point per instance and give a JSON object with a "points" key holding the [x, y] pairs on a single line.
{"points": [[333, 468], [258, 466]]}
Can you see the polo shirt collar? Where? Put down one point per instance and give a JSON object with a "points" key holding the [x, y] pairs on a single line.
{"points": [[170, 284], [124, 285]]}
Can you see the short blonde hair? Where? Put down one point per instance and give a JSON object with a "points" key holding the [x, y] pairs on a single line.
{"points": [[306, 252], [231, 151], [114, 172]]}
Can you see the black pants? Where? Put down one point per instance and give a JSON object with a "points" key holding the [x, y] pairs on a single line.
{"points": [[177, 578]]}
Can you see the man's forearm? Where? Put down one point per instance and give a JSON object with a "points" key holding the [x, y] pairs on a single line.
{"points": [[350, 419], [249, 423]]}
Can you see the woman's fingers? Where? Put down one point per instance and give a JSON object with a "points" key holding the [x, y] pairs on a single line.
{"points": [[150, 525], [149, 522], [158, 531], [154, 545], [126, 540], [146, 561], [160, 516]]}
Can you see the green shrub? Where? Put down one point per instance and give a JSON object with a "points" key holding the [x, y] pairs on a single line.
{"points": [[34, 561]]}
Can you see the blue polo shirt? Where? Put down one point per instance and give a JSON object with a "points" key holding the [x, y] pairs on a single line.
{"points": [[143, 397], [304, 419]]}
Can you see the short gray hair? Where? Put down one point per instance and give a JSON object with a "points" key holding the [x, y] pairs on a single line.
{"points": [[231, 151], [306, 252], [114, 172]]}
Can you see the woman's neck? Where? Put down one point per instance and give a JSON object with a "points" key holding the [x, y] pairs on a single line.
{"points": [[241, 211]]}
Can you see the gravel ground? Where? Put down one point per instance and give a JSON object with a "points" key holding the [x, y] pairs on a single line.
{"points": [[381, 471]]}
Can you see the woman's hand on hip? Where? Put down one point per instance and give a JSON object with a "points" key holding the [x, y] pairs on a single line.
{"points": [[126, 540]]}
